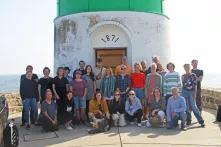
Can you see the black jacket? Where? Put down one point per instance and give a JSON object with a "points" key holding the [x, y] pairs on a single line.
{"points": [[28, 89], [117, 107]]}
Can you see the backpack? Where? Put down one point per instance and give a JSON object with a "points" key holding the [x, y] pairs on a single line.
{"points": [[218, 116], [10, 135]]}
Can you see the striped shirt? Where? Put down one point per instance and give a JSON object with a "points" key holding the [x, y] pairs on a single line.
{"points": [[108, 86], [171, 79]]}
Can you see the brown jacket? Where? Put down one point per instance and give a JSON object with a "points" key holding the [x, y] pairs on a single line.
{"points": [[94, 106]]}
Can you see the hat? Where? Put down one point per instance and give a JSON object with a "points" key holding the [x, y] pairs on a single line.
{"points": [[78, 72]]}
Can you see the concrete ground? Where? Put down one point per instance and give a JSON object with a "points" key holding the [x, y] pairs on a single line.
{"points": [[129, 136]]}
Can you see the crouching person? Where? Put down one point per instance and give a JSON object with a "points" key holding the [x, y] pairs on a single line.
{"points": [[157, 109], [133, 108], [176, 110], [49, 113], [117, 110], [99, 114], [68, 110]]}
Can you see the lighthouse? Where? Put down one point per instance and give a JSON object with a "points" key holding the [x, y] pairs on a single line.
{"points": [[110, 29]]}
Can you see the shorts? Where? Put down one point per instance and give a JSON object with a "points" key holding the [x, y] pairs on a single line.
{"points": [[79, 102]]}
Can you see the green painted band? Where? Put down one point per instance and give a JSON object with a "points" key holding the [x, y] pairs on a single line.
{"points": [[66, 7]]}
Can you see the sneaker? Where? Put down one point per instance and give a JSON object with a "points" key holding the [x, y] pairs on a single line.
{"points": [[28, 127], [183, 128], [69, 127], [139, 125], [132, 123], [203, 125], [22, 125], [188, 123]]}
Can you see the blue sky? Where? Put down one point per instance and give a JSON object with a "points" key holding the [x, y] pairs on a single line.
{"points": [[26, 33]]}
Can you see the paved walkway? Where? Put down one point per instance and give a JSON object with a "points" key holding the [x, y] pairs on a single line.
{"points": [[127, 137]]}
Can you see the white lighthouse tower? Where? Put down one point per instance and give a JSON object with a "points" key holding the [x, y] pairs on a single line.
{"points": [[110, 29]]}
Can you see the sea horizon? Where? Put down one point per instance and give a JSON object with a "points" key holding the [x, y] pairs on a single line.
{"points": [[10, 83]]}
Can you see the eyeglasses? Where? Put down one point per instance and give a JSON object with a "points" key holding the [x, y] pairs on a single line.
{"points": [[131, 94], [117, 94]]}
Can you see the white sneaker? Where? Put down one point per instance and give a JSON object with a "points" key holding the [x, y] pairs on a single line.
{"points": [[69, 128], [139, 125]]}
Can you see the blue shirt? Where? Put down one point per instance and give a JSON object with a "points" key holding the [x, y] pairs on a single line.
{"points": [[123, 82], [175, 105], [132, 107]]}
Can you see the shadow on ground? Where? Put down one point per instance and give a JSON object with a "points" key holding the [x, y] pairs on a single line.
{"points": [[130, 135]]}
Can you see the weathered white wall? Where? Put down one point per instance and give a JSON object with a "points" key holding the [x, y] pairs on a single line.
{"points": [[143, 34]]}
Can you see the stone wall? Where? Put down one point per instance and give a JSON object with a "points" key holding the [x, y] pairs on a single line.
{"points": [[210, 97], [14, 102]]}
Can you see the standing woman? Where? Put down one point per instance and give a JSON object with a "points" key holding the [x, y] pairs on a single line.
{"points": [[79, 89], [138, 81], [60, 87], [91, 85], [171, 79], [108, 84], [44, 83]]}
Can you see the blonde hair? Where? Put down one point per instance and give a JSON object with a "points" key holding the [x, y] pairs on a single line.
{"points": [[111, 71], [139, 65]]}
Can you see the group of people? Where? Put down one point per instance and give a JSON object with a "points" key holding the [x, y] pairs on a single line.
{"points": [[97, 95]]}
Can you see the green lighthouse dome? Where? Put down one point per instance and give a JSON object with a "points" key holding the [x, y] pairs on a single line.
{"points": [[66, 7]]}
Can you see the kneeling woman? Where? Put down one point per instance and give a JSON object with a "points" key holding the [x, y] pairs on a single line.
{"points": [[133, 108], [98, 111], [157, 106], [117, 110], [49, 113], [68, 110]]}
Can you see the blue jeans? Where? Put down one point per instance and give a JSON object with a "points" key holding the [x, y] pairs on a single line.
{"points": [[179, 116], [30, 104], [79, 103], [191, 102], [139, 92]]}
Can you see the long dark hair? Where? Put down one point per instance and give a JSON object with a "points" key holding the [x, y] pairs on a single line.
{"points": [[91, 73], [95, 98], [158, 90]]}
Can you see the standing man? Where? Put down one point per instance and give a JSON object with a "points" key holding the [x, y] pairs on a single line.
{"points": [[99, 72], [128, 67], [29, 94], [123, 82], [66, 74], [81, 69], [34, 77], [199, 74], [189, 81]]}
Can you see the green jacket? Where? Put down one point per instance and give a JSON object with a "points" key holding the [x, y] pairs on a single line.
{"points": [[158, 84]]}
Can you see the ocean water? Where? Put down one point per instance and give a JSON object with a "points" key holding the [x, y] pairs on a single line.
{"points": [[10, 83]]}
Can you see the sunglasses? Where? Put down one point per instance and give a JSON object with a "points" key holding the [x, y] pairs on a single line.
{"points": [[131, 94], [117, 94]]}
